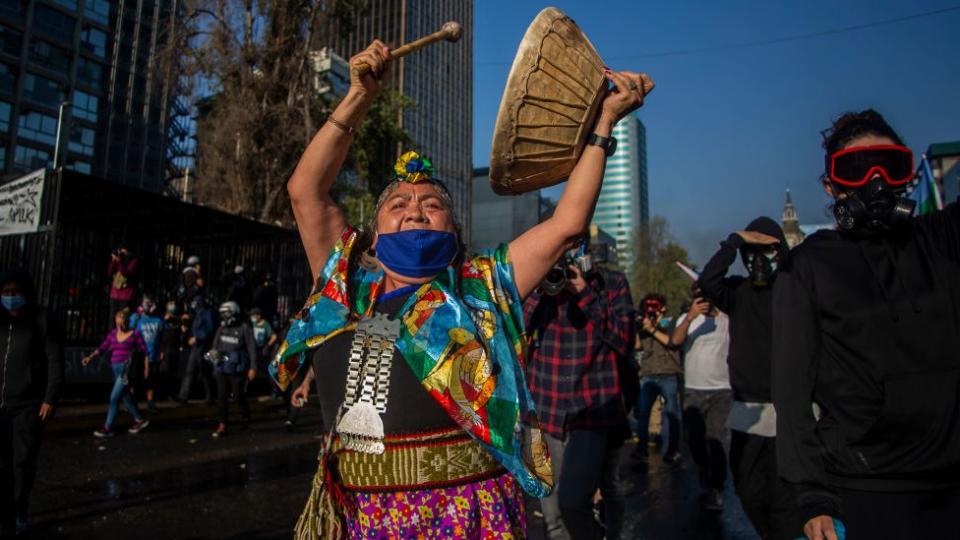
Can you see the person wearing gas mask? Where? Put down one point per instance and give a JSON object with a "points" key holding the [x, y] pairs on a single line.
{"points": [[580, 328], [660, 373], [702, 333], [867, 328], [233, 353], [748, 301]]}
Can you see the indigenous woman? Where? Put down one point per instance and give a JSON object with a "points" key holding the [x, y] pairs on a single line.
{"points": [[416, 347], [866, 327]]}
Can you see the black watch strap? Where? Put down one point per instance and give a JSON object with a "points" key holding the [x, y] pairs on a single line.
{"points": [[609, 144]]}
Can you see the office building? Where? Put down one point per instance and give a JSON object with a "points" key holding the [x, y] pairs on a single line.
{"points": [[624, 204], [437, 78], [101, 56], [497, 219]]}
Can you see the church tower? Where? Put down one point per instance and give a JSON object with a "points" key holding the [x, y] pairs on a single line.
{"points": [[791, 225]]}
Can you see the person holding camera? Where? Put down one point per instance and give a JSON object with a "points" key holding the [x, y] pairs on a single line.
{"points": [[748, 300], [579, 336], [121, 270], [233, 354], [703, 336], [660, 373]]}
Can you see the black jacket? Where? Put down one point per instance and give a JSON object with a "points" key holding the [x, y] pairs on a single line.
{"points": [[869, 329], [750, 310], [31, 365]]}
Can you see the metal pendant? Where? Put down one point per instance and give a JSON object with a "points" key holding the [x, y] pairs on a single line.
{"points": [[361, 429]]}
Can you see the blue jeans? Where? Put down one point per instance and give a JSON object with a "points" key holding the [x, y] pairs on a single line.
{"points": [[652, 386], [121, 390]]}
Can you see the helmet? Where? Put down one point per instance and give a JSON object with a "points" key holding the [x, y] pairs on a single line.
{"points": [[229, 310], [193, 260]]}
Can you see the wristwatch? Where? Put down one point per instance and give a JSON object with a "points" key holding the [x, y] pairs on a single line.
{"points": [[609, 144]]}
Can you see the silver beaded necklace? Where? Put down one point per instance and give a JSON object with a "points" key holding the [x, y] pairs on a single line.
{"points": [[368, 383]]}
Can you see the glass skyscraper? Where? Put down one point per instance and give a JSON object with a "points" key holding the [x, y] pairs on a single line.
{"points": [[623, 203], [437, 78], [100, 55]]}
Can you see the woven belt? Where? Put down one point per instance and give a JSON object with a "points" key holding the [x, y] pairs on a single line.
{"points": [[419, 461]]}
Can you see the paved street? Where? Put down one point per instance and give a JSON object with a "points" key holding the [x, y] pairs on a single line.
{"points": [[173, 481]]}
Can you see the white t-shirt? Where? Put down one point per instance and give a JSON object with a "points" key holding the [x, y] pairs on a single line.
{"points": [[705, 353]]}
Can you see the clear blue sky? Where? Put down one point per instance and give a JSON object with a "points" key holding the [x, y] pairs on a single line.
{"points": [[728, 130]]}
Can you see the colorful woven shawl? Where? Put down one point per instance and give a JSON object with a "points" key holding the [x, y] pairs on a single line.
{"points": [[467, 351]]}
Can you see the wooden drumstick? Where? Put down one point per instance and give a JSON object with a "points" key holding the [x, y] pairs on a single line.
{"points": [[450, 31]]}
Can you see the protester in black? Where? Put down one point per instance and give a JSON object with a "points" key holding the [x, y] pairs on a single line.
{"points": [[769, 502], [867, 327], [233, 355], [202, 329], [31, 369]]}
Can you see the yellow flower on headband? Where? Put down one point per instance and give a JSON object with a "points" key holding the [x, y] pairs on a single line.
{"points": [[413, 168]]}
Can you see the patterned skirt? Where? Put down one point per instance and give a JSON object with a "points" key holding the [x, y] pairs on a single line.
{"points": [[488, 509], [430, 485]]}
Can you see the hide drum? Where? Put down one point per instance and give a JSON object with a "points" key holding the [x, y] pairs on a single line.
{"points": [[548, 108]]}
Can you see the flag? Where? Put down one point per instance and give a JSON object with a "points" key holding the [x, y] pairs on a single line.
{"points": [[690, 272], [927, 194]]}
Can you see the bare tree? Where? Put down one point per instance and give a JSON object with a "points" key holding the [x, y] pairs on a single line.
{"points": [[245, 66]]}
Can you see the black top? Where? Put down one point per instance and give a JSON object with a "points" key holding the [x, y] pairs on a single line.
{"points": [[750, 309], [869, 328], [31, 365], [410, 408]]}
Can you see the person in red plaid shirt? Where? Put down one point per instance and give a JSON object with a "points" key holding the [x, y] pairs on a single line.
{"points": [[580, 340]]}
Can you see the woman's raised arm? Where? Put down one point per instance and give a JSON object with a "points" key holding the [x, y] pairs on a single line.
{"points": [[534, 252], [319, 220]]}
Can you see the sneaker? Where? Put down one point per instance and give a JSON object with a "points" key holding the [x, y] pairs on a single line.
{"points": [[713, 500], [221, 431], [139, 426], [103, 433]]}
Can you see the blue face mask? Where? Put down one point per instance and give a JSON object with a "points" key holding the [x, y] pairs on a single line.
{"points": [[13, 302], [417, 253]]}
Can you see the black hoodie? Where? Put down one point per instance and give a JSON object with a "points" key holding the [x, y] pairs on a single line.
{"points": [[868, 328], [31, 365], [750, 312]]}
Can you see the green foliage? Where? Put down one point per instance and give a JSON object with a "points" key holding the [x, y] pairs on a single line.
{"points": [[655, 269]]}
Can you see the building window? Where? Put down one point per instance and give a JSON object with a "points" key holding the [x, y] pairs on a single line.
{"points": [[38, 127], [10, 40], [54, 23], [5, 109], [13, 9], [69, 4], [29, 159], [3, 159], [94, 41], [97, 10], [49, 56], [42, 91], [85, 106], [79, 166], [81, 140], [89, 73], [8, 79]]}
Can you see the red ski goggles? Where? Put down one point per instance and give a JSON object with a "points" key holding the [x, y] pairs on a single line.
{"points": [[854, 166]]}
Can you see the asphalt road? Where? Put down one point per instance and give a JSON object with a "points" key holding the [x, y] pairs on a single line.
{"points": [[174, 481]]}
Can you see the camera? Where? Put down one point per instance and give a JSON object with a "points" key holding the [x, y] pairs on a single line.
{"points": [[556, 279]]}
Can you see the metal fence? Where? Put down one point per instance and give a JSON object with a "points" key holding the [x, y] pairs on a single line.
{"points": [[84, 219]]}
